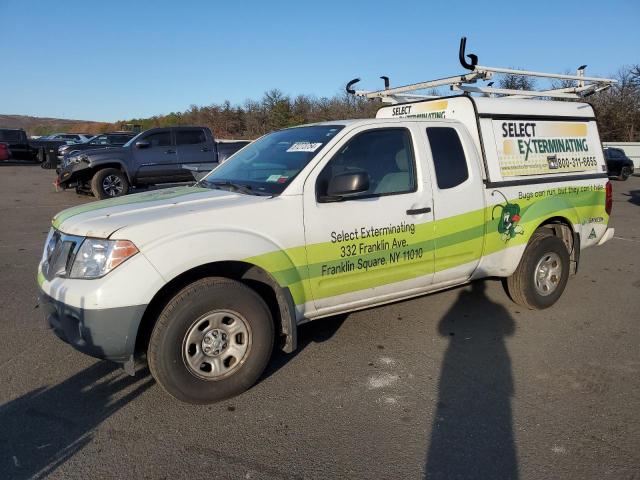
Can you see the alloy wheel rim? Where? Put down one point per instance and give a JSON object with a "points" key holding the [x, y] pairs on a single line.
{"points": [[112, 185]]}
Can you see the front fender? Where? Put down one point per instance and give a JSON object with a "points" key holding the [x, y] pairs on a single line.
{"points": [[181, 252], [109, 162]]}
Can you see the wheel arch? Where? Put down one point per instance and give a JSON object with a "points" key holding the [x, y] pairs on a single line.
{"points": [[117, 164], [278, 298], [561, 227]]}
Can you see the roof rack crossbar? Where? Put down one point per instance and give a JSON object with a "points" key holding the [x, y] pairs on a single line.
{"points": [[510, 93], [466, 78], [530, 73], [584, 85]]}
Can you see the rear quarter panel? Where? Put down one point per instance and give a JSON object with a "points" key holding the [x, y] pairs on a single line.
{"points": [[514, 213]]}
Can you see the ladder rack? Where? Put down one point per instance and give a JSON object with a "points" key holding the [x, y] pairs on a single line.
{"points": [[584, 86]]}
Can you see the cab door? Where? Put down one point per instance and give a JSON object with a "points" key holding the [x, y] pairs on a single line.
{"points": [[376, 245], [458, 195], [158, 160], [193, 149]]}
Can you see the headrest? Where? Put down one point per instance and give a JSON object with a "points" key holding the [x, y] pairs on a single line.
{"points": [[402, 161]]}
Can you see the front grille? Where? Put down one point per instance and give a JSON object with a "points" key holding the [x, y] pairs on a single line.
{"points": [[60, 252]]}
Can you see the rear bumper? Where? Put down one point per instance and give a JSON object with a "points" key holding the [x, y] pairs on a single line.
{"points": [[108, 333], [608, 235]]}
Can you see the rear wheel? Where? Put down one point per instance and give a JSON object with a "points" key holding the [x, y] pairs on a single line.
{"points": [[212, 341], [625, 172], [109, 183], [542, 274]]}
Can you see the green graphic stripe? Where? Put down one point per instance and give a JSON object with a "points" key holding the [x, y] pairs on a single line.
{"points": [[144, 197], [455, 238]]}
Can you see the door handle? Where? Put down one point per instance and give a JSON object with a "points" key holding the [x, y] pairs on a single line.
{"points": [[418, 211], [170, 151], [205, 149]]}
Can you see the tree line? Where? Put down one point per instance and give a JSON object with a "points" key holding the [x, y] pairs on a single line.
{"points": [[617, 108], [254, 118]]}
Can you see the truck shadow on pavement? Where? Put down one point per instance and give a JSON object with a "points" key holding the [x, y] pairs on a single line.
{"points": [[472, 431], [19, 163], [634, 197], [314, 331], [44, 428]]}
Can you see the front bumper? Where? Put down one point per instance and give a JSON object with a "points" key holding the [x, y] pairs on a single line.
{"points": [[108, 333], [73, 174]]}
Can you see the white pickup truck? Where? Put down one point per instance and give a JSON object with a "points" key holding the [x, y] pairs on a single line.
{"points": [[321, 219]]}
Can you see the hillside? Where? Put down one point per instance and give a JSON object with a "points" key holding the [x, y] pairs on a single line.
{"points": [[44, 125]]}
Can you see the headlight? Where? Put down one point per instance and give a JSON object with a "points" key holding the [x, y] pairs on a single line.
{"points": [[72, 158], [97, 257], [62, 149]]}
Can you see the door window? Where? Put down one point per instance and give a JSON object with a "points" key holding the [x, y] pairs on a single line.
{"points": [[160, 139], [117, 139], [449, 160], [190, 137], [101, 140], [386, 155]]}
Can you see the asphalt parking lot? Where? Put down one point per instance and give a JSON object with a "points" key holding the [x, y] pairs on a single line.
{"points": [[459, 384]]}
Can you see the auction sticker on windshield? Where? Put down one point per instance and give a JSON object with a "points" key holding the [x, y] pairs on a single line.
{"points": [[304, 147]]}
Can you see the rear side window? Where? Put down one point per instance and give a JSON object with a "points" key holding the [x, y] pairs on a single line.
{"points": [[190, 137], [10, 136], [448, 157]]}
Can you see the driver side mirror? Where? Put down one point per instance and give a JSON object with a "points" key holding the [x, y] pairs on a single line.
{"points": [[347, 184], [142, 144]]}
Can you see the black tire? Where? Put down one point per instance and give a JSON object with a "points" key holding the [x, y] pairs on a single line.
{"points": [[625, 172], [523, 287], [167, 353], [100, 183]]}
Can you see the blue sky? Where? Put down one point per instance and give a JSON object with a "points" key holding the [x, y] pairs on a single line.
{"points": [[121, 59]]}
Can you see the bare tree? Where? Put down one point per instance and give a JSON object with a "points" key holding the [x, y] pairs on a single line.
{"points": [[511, 81]]}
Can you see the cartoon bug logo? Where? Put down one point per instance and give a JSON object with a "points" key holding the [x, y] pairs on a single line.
{"points": [[509, 217]]}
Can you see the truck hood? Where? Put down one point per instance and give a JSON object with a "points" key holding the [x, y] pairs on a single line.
{"points": [[101, 219], [97, 152]]}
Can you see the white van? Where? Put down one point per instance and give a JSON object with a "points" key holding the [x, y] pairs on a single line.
{"points": [[321, 219]]}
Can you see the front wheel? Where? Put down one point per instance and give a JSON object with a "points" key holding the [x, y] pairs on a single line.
{"points": [[212, 341], [542, 274], [109, 183]]}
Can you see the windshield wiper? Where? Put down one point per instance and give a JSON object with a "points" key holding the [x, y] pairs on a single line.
{"points": [[237, 187]]}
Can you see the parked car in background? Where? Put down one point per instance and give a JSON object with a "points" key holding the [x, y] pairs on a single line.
{"points": [[5, 153], [24, 148], [618, 164], [17, 142], [104, 140], [151, 157], [68, 137]]}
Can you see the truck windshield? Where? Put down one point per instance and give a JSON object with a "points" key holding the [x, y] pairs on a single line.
{"points": [[133, 140], [269, 164]]}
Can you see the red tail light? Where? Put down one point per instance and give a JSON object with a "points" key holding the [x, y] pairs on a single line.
{"points": [[608, 203]]}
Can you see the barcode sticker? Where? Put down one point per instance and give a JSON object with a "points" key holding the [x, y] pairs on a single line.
{"points": [[304, 147]]}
